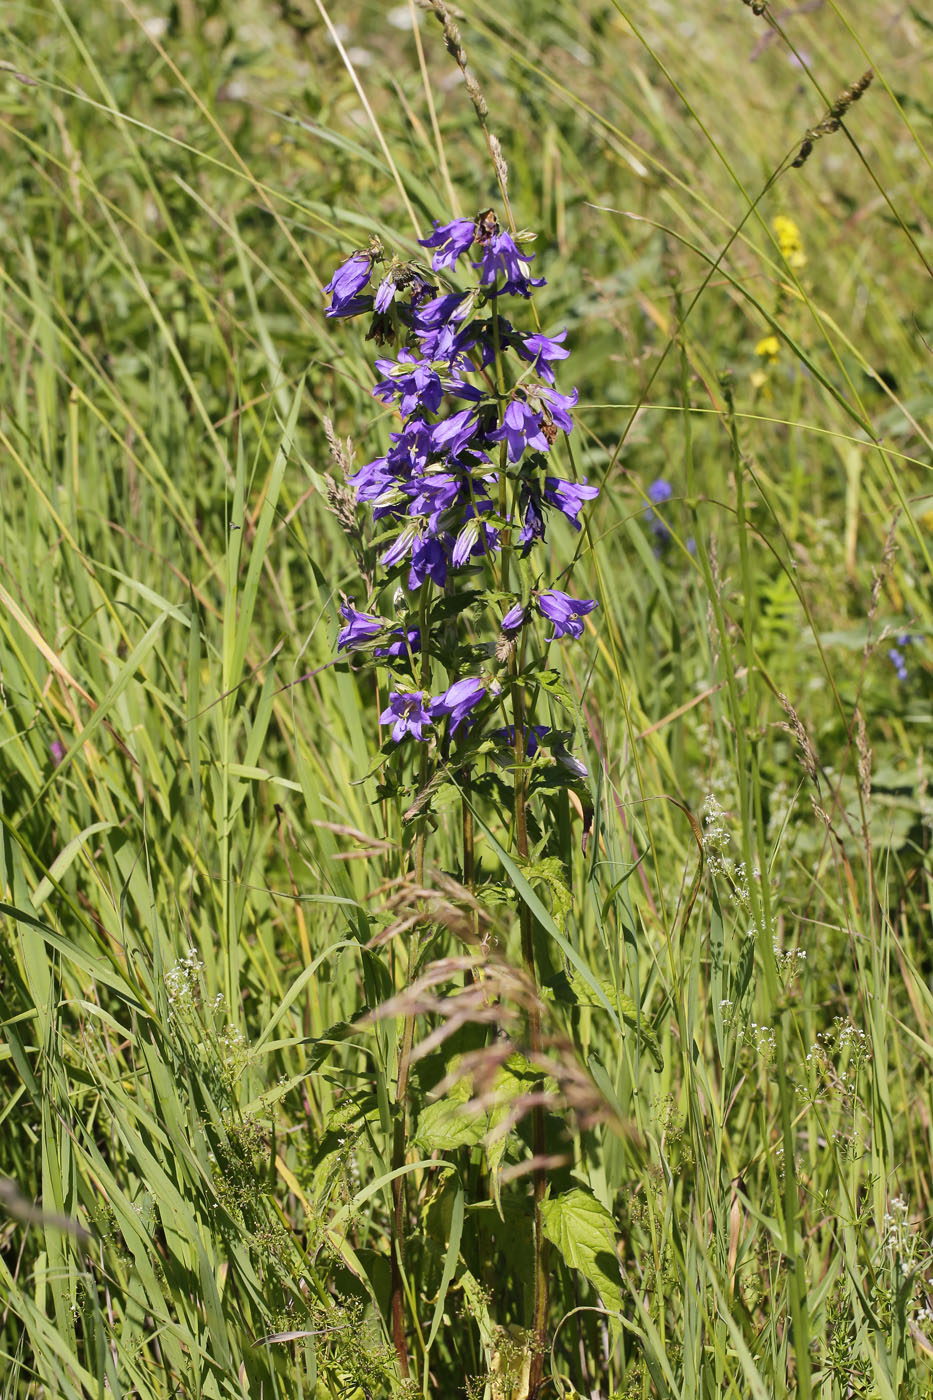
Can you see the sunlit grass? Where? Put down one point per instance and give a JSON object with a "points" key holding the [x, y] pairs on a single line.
{"points": [[197, 1122]]}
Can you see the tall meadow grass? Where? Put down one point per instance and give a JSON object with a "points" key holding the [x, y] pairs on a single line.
{"points": [[214, 954]]}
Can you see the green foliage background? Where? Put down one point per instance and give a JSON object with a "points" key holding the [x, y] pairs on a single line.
{"points": [[196, 1133]]}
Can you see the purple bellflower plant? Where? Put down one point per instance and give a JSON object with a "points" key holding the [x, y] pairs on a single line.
{"points": [[463, 494], [460, 500]]}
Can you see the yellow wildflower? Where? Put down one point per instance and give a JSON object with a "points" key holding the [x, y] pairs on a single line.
{"points": [[770, 347], [789, 242]]}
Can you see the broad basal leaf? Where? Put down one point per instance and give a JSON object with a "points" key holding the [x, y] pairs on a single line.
{"points": [[582, 1230]]}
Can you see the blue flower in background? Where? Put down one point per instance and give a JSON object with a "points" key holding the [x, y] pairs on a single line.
{"points": [[896, 654], [385, 293], [419, 387], [659, 491], [571, 765], [432, 495], [451, 344], [408, 641], [428, 560], [474, 540], [532, 518], [514, 618], [533, 734], [558, 405], [436, 494], [400, 547], [439, 311], [411, 449], [453, 434]]}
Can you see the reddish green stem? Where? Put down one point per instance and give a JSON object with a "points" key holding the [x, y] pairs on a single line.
{"points": [[540, 1308]]}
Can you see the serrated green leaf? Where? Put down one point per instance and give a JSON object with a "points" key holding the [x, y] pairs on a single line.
{"points": [[452, 1122], [555, 685], [515, 1077], [584, 1233], [448, 1124]]}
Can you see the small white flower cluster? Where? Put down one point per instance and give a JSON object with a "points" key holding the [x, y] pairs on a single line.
{"points": [[899, 1241], [716, 843], [924, 1316], [836, 1058], [909, 1254], [850, 1145], [851, 1037], [789, 961], [183, 979], [716, 836], [206, 1039], [761, 1040], [232, 1045]]}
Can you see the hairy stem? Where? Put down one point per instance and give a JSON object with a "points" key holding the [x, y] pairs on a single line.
{"points": [[539, 1315], [397, 1260], [469, 848], [398, 1161], [398, 1199]]}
